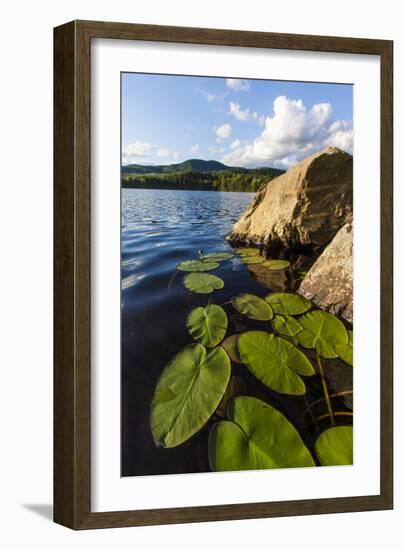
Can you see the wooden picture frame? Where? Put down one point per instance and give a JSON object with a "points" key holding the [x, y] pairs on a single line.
{"points": [[72, 271]]}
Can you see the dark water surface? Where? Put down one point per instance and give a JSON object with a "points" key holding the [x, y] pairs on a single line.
{"points": [[159, 230]]}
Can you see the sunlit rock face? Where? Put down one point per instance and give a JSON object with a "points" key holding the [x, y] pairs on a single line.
{"points": [[305, 207], [329, 282]]}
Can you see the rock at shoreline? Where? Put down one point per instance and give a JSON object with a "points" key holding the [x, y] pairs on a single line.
{"points": [[329, 282], [306, 206]]}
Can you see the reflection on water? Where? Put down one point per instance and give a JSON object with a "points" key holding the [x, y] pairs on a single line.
{"points": [[160, 229]]}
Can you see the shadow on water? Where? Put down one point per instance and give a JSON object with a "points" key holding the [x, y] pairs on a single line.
{"points": [[159, 230]]}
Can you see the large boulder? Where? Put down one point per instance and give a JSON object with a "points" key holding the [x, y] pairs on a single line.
{"points": [[329, 282], [306, 206]]}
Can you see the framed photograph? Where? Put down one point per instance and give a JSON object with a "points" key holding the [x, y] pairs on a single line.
{"points": [[223, 226]]}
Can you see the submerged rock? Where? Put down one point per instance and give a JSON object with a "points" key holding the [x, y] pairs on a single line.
{"points": [[276, 281], [329, 282], [306, 206]]}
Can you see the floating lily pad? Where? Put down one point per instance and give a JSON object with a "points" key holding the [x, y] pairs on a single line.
{"points": [[287, 303], [188, 392], [207, 325], [275, 361], [217, 256], [345, 351], [274, 265], [287, 326], [322, 331], [256, 436], [253, 307], [202, 283], [252, 259], [248, 251], [197, 265], [230, 344], [334, 447]]}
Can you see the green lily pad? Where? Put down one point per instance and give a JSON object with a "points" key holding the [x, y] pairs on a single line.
{"points": [[247, 251], [202, 283], [322, 331], [197, 265], [188, 392], [218, 256], [274, 265], [207, 325], [253, 307], [334, 447], [345, 351], [287, 326], [230, 344], [256, 436], [252, 259], [287, 303], [275, 361]]}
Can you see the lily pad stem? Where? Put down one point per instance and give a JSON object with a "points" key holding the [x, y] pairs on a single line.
{"points": [[332, 396], [172, 279], [325, 390], [308, 406]]}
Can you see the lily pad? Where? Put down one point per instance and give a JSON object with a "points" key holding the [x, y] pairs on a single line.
{"points": [[188, 392], [248, 251], [197, 265], [207, 325], [252, 307], [217, 256], [256, 436], [252, 259], [288, 303], [275, 361], [274, 265], [202, 283], [287, 326], [322, 331], [345, 351], [230, 344], [334, 447]]}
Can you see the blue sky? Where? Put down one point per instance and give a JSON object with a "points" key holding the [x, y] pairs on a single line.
{"points": [[168, 118]]}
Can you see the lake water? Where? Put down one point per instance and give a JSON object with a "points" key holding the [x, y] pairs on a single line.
{"points": [[159, 230]]}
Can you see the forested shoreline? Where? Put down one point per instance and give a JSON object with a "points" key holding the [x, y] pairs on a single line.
{"points": [[229, 180]]}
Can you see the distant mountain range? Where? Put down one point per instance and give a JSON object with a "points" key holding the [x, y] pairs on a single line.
{"points": [[196, 174], [191, 165]]}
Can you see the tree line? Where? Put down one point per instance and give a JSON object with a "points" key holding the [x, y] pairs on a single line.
{"points": [[250, 181]]}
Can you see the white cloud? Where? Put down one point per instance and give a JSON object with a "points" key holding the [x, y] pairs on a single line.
{"points": [[138, 149], [223, 132], [238, 85], [176, 155], [195, 148], [291, 134], [162, 153], [210, 97], [246, 115], [212, 149], [341, 135], [235, 144]]}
